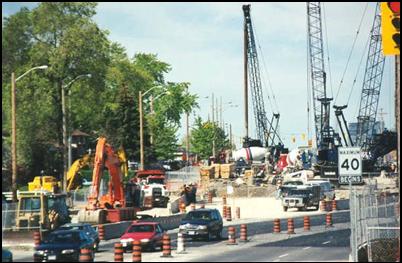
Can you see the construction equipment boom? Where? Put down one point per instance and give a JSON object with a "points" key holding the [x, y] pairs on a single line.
{"points": [[325, 135], [266, 131], [111, 206], [371, 86]]}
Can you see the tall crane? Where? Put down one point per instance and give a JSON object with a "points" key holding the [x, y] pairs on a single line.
{"points": [[371, 86], [325, 135], [266, 130]]}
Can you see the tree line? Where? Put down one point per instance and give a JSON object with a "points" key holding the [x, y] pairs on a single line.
{"points": [[65, 37]]}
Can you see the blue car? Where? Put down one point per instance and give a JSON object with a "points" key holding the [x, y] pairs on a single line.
{"points": [[6, 255], [87, 228], [64, 246]]}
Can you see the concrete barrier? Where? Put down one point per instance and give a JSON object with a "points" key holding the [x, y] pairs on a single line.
{"points": [[116, 230]]}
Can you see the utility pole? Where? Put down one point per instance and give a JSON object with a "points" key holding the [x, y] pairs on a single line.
{"points": [[221, 119], [187, 138], [141, 132], [65, 141], [213, 125], [217, 112], [230, 135], [13, 139], [151, 139]]}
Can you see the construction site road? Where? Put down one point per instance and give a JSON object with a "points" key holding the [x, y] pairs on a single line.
{"points": [[321, 243]]}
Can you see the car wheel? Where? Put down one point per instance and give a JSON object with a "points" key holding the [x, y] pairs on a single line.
{"points": [[285, 208], [219, 235], [209, 236]]}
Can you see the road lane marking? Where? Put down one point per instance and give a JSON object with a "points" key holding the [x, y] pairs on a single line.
{"points": [[326, 242], [307, 248], [284, 255]]}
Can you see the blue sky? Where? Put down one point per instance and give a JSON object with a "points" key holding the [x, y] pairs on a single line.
{"points": [[203, 42]]}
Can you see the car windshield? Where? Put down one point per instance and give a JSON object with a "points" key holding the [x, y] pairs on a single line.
{"points": [[299, 192], [63, 238], [141, 228], [72, 227], [155, 181], [293, 183], [198, 215]]}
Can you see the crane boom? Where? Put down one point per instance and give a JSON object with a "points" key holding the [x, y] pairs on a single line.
{"points": [[325, 135], [371, 85], [265, 129]]}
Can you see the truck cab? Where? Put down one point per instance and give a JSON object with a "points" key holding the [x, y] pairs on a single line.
{"points": [[153, 188], [302, 197], [41, 209]]}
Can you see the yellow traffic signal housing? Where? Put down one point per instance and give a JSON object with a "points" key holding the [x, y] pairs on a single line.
{"points": [[390, 23]]}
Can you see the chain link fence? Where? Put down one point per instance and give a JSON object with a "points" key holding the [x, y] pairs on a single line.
{"points": [[176, 179], [374, 217]]}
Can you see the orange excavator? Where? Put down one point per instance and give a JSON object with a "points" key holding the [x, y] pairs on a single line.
{"points": [[110, 207]]}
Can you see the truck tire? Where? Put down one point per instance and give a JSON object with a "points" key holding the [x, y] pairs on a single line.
{"points": [[285, 208]]}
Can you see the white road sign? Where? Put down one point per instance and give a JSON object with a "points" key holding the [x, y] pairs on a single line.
{"points": [[349, 165]]}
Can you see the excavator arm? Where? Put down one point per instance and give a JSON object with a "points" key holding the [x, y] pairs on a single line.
{"points": [[123, 161], [75, 168], [106, 157]]}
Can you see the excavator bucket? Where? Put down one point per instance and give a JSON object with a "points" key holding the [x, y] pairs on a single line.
{"points": [[92, 216]]}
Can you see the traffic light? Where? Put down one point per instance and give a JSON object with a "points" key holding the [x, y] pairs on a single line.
{"points": [[390, 23]]}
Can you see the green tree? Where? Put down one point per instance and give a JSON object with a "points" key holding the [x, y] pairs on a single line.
{"points": [[204, 134], [63, 36]]}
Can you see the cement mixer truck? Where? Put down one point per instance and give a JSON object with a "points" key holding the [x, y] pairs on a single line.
{"points": [[251, 154]]}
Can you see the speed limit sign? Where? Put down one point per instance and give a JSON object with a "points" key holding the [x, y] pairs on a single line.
{"points": [[349, 165]]}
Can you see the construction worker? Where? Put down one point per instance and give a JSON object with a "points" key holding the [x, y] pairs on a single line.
{"points": [[193, 192], [278, 189]]}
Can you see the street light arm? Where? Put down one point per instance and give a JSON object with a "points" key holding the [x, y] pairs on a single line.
{"points": [[80, 76], [152, 89], [165, 92], [38, 67]]}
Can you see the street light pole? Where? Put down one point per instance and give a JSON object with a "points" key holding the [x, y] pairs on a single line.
{"points": [[14, 130], [66, 140], [141, 132], [13, 139], [151, 139]]}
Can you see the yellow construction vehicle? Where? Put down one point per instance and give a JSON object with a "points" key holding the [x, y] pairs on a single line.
{"points": [[121, 154], [75, 168], [41, 209], [48, 183]]}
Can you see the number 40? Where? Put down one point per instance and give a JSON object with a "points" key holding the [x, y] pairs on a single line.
{"points": [[354, 164]]}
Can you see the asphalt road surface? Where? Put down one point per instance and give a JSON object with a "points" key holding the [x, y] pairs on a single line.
{"points": [[319, 244]]}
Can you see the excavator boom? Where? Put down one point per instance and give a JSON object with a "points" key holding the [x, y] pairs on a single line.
{"points": [[105, 157]]}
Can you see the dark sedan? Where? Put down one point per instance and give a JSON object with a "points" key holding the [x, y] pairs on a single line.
{"points": [[63, 245], [87, 228], [204, 223]]}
